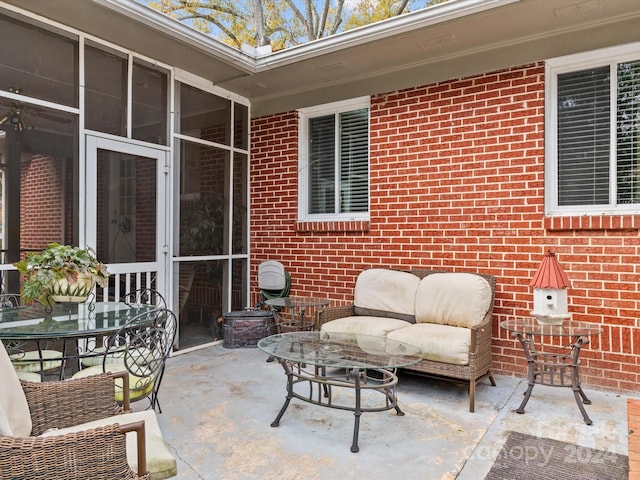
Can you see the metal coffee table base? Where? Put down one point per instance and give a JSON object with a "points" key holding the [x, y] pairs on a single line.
{"points": [[320, 391]]}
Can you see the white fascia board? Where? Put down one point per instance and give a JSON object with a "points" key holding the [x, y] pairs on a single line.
{"points": [[388, 28], [175, 29]]}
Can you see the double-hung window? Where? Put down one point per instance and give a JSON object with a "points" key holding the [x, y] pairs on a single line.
{"points": [[334, 161], [593, 133]]}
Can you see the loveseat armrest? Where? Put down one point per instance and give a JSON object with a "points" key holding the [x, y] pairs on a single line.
{"points": [[102, 450], [333, 313], [66, 403], [481, 334], [481, 337]]}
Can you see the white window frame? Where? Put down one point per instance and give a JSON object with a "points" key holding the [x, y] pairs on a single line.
{"points": [[572, 63], [304, 114]]}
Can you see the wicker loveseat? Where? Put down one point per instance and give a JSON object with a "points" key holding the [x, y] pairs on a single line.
{"points": [[446, 314]]}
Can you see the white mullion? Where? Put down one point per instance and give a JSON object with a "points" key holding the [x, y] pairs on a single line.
{"points": [[336, 165], [82, 151], [613, 133], [129, 96], [230, 209]]}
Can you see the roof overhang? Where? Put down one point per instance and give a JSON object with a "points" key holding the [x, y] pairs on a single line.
{"points": [[452, 40]]}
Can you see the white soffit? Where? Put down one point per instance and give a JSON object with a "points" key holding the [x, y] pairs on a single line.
{"points": [[445, 41]]}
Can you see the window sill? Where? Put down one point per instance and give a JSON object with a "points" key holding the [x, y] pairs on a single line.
{"points": [[328, 226], [595, 222]]}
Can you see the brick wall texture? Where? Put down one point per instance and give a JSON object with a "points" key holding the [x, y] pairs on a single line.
{"points": [[457, 183]]}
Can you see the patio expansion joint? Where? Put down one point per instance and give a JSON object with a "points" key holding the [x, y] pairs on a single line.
{"points": [[633, 423], [500, 411]]}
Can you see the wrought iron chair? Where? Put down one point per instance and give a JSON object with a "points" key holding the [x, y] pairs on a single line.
{"points": [[30, 365], [140, 296], [146, 296], [74, 430], [141, 348]]}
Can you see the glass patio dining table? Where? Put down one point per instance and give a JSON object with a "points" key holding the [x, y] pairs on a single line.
{"points": [[76, 327]]}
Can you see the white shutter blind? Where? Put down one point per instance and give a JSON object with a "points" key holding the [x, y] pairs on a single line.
{"points": [[583, 137], [354, 161], [322, 161], [628, 137], [339, 163]]}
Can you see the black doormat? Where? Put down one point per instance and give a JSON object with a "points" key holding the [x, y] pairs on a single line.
{"points": [[525, 457]]}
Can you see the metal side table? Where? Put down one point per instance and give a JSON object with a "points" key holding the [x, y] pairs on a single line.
{"points": [[302, 319], [549, 368]]}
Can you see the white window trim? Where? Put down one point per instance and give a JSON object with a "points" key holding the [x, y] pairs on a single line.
{"points": [[572, 63], [303, 154]]}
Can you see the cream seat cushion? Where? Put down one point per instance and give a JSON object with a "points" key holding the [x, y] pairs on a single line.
{"points": [[381, 292], [440, 343], [364, 325], [29, 377], [30, 361], [15, 417], [456, 299], [160, 462], [139, 387]]}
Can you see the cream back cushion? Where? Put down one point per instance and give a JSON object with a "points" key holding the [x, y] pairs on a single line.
{"points": [[456, 299], [15, 417], [390, 292]]}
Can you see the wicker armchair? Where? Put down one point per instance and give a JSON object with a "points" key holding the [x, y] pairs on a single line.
{"points": [[73, 430]]}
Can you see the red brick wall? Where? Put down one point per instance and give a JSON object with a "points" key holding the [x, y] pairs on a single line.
{"points": [[41, 209], [457, 182]]}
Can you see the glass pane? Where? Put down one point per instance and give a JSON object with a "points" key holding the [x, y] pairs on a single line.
{"points": [[203, 199], [322, 161], [127, 208], [149, 104], [241, 126], [354, 161], [36, 123], [38, 63], [39, 201], [240, 176], [583, 137], [105, 92], [628, 146], [204, 115], [199, 301], [238, 284]]}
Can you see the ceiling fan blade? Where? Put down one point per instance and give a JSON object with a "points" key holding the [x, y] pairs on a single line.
{"points": [[47, 116]]}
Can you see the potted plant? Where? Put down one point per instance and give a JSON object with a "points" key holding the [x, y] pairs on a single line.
{"points": [[61, 273]]}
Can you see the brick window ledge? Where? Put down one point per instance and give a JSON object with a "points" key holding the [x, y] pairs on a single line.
{"points": [[343, 226], [593, 222]]}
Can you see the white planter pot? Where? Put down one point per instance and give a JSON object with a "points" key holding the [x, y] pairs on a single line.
{"points": [[64, 292]]}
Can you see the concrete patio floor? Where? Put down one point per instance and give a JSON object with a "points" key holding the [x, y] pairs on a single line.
{"points": [[218, 405]]}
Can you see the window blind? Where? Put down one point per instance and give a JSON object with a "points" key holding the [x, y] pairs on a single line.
{"points": [[322, 164], [628, 138], [354, 161], [583, 137], [339, 162]]}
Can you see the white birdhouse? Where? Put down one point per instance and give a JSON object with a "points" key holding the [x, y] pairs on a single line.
{"points": [[550, 292]]}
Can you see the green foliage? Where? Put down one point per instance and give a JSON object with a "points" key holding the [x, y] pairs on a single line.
{"points": [[57, 261], [283, 23]]}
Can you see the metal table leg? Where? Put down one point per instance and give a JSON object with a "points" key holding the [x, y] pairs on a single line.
{"points": [[553, 370]]}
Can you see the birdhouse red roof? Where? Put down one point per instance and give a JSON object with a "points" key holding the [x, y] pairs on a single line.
{"points": [[550, 274]]}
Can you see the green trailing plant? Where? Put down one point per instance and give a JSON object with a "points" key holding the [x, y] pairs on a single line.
{"points": [[41, 270]]}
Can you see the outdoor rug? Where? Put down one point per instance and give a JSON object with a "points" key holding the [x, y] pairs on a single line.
{"points": [[525, 457]]}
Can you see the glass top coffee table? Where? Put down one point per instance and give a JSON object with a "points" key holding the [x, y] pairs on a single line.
{"points": [[318, 363]]}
